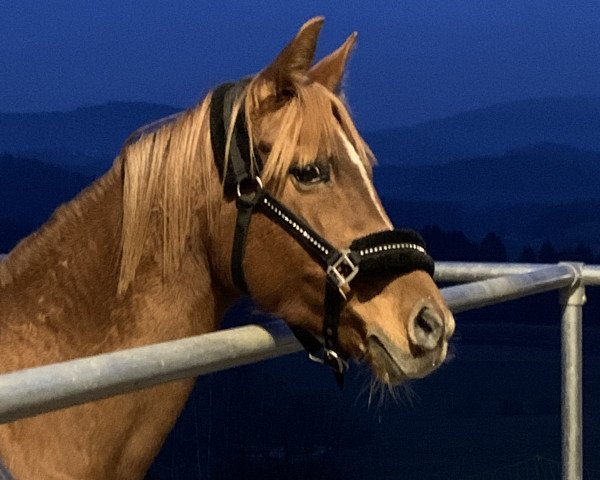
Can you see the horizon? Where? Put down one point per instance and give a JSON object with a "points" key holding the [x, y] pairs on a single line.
{"points": [[381, 129], [414, 62], [90, 133]]}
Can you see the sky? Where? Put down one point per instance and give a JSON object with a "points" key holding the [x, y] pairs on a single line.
{"points": [[416, 60]]}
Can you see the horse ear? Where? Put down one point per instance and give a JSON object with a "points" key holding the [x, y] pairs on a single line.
{"points": [[329, 72], [296, 58]]}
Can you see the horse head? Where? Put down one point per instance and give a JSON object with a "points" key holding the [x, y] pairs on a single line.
{"points": [[305, 165]]}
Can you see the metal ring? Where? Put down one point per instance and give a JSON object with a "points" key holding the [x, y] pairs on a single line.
{"points": [[248, 197]]}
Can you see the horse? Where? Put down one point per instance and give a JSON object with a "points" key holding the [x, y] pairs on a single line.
{"points": [[263, 188]]}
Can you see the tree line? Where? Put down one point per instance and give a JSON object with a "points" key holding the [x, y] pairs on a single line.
{"points": [[443, 245], [454, 245]]}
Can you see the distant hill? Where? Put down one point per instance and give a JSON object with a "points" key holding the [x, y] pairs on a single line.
{"points": [[543, 173], [565, 225], [483, 178], [30, 190], [527, 196], [573, 121], [85, 139], [90, 137]]}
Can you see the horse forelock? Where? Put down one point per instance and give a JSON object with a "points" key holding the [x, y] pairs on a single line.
{"points": [[309, 125]]}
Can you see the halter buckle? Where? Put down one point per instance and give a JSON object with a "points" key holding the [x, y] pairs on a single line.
{"points": [[342, 271], [335, 362]]}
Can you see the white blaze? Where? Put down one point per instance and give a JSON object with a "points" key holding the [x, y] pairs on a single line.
{"points": [[353, 154]]}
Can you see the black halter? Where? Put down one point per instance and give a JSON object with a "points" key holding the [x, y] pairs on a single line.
{"points": [[392, 251]]}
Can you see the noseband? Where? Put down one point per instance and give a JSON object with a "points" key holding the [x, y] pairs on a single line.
{"points": [[386, 252]]}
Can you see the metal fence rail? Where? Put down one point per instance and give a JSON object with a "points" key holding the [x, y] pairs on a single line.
{"points": [[36, 390], [473, 271]]}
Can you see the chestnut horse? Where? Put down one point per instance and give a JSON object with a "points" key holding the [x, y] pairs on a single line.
{"points": [[143, 255]]}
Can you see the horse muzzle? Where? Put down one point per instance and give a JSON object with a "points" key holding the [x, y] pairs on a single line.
{"points": [[425, 348]]}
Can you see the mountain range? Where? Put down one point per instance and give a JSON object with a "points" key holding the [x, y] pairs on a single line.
{"points": [[541, 173], [527, 170], [91, 136], [85, 139], [31, 189], [493, 130]]}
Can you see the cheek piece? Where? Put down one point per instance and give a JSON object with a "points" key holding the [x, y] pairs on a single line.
{"points": [[383, 253]]}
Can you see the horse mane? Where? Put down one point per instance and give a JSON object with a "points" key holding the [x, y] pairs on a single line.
{"points": [[162, 174], [167, 168]]}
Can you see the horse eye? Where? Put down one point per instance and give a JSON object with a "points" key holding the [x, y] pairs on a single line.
{"points": [[310, 174]]}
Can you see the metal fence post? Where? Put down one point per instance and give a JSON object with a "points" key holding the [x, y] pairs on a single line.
{"points": [[572, 299]]}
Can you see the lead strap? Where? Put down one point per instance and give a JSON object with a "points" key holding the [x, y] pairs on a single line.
{"points": [[331, 321]]}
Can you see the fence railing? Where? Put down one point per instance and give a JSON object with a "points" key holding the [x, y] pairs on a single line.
{"points": [[37, 390], [511, 281]]}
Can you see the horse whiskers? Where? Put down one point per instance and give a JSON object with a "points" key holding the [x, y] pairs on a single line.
{"points": [[408, 396], [378, 392], [365, 376], [375, 390]]}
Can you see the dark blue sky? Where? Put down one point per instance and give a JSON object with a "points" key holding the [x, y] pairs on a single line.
{"points": [[415, 60]]}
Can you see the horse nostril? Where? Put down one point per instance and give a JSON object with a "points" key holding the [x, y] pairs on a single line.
{"points": [[426, 329]]}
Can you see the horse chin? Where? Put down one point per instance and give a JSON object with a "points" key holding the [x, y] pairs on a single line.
{"points": [[394, 366]]}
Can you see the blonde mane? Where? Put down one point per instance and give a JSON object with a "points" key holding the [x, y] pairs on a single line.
{"points": [[168, 169], [163, 171]]}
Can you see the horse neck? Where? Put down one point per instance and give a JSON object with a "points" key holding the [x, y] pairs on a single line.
{"points": [[61, 284]]}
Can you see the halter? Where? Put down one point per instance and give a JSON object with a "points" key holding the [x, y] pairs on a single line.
{"points": [[389, 252]]}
